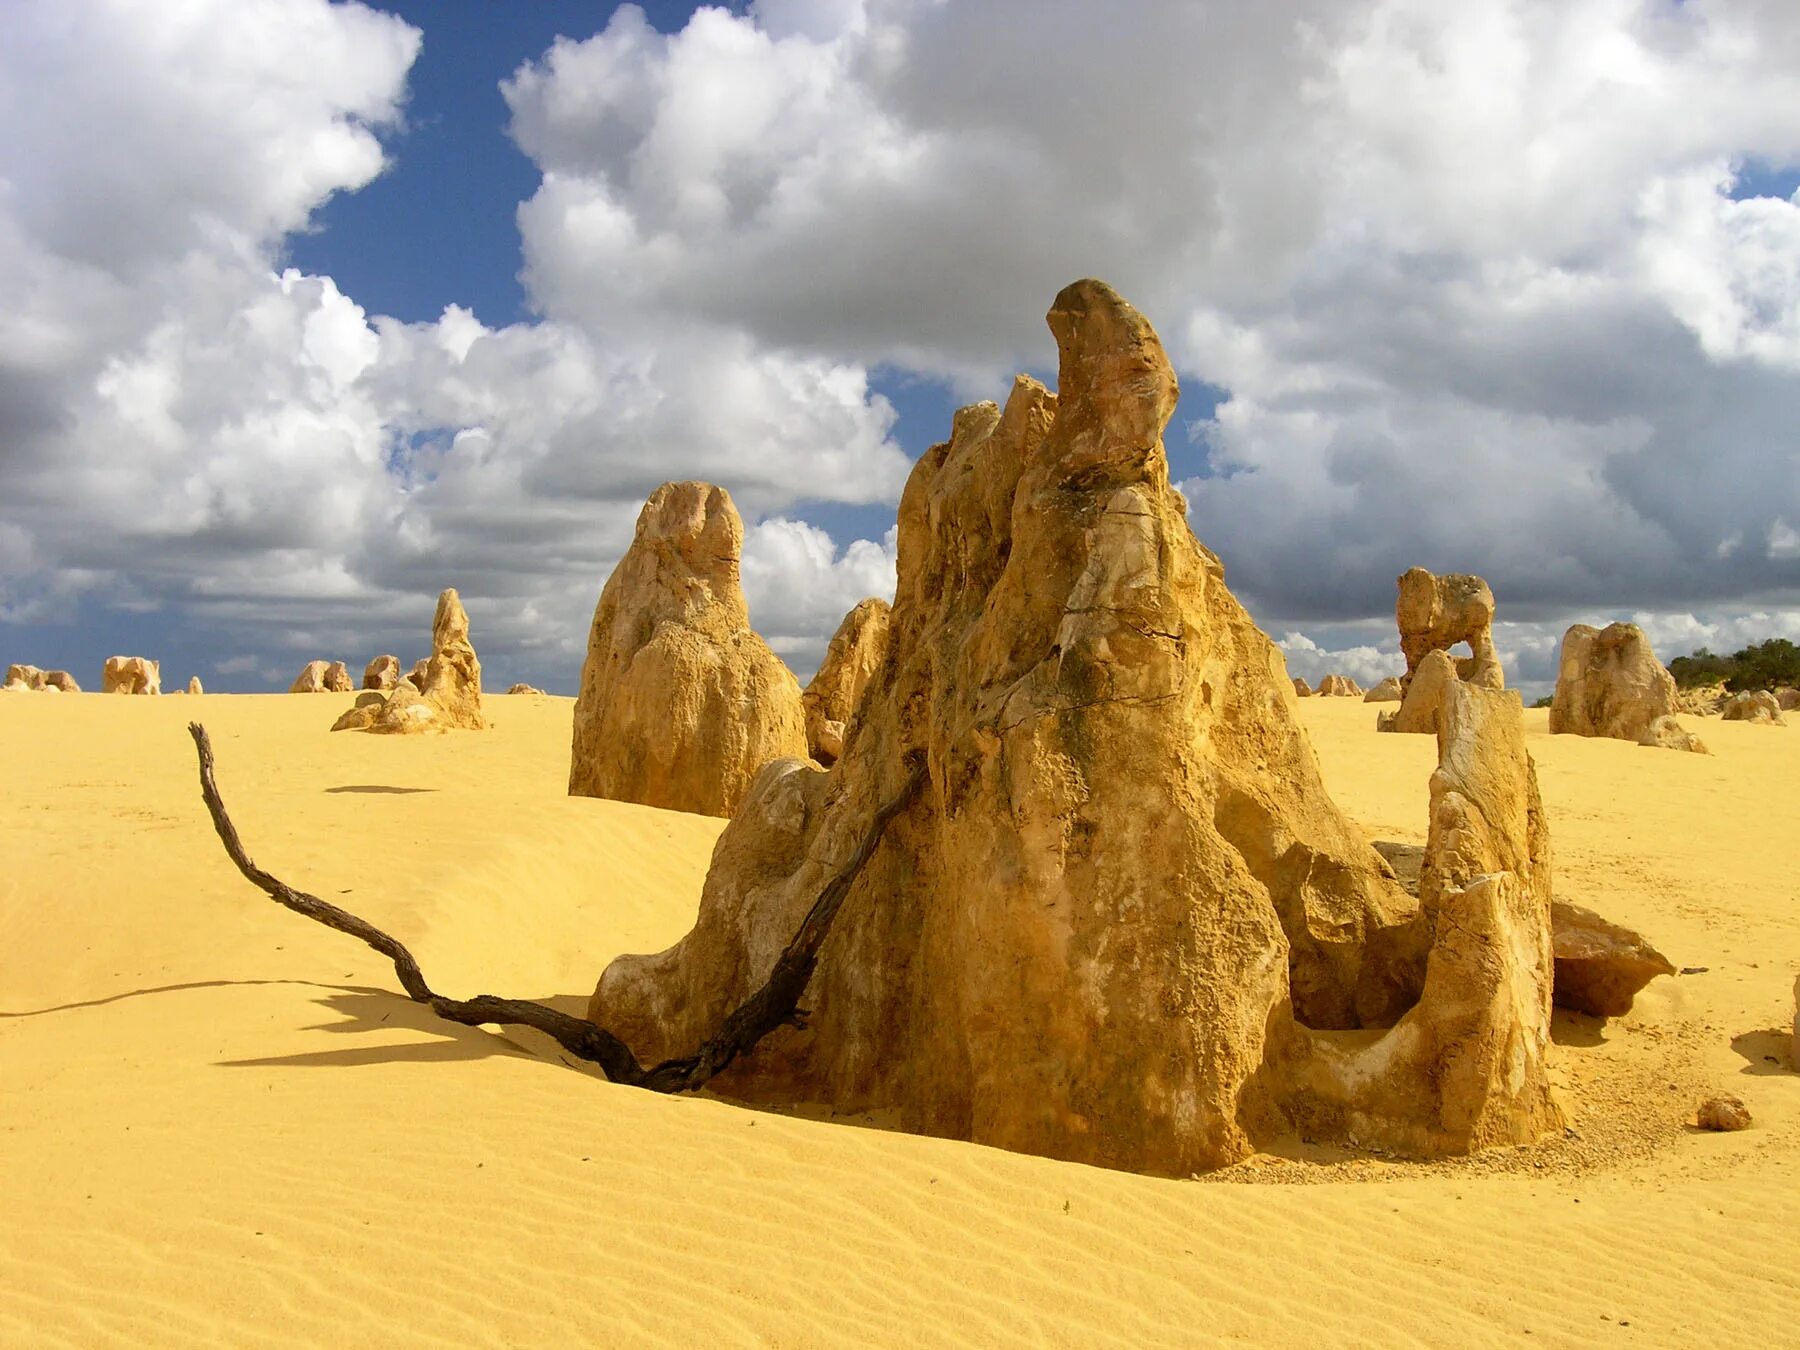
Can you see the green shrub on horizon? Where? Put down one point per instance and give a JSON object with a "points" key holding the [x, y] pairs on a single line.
{"points": [[1764, 665]]}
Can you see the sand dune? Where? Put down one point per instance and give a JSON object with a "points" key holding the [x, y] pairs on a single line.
{"points": [[222, 1124]]}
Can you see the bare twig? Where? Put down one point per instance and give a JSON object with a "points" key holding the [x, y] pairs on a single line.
{"points": [[769, 1007]]}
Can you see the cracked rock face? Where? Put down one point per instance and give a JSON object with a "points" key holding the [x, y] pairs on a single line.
{"points": [[1122, 922], [857, 650], [681, 702]]}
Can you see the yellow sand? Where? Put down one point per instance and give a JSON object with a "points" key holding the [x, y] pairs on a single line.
{"points": [[219, 1124]]}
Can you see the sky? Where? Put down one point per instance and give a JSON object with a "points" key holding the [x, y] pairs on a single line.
{"points": [[313, 309]]}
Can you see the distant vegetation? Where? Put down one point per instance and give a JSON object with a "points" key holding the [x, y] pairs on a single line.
{"points": [[1767, 665]]}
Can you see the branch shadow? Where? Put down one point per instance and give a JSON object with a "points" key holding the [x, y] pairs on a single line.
{"points": [[161, 989], [378, 787], [363, 1011]]}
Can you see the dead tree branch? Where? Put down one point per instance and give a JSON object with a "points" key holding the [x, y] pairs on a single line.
{"points": [[769, 1007]]}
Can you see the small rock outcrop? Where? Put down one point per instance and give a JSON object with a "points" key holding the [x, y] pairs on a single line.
{"points": [[1609, 683], [857, 650], [1301, 688], [1724, 1113], [524, 689], [194, 686], [131, 675], [449, 698], [1787, 698], [1665, 733], [26, 677], [1339, 686], [416, 676], [1702, 700], [1119, 921], [311, 679], [681, 702], [1600, 966], [1388, 691], [382, 674], [1753, 705]]}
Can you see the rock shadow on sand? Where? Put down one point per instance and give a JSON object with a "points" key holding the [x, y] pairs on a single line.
{"points": [[1764, 1052]]}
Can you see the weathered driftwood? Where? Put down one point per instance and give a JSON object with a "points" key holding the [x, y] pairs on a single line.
{"points": [[775, 1004]]}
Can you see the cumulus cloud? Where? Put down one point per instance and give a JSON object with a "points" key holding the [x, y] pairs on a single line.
{"points": [[189, 429], [800, 584], [1479, 282], [1473, 276]]}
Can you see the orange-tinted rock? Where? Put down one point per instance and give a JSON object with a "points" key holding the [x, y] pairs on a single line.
{"points": [[131, 675], [681, 702], [857, 650], [383, 673], [1121, 922]]}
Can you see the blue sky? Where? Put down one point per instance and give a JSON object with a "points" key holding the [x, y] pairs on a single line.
{"points": [[776, 244]]}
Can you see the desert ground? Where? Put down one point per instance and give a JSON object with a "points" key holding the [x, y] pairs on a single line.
{"points": [[223, 1124]]}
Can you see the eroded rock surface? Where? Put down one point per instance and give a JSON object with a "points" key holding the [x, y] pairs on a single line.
{"points": [[1434, 614], [1388, 691], [1609, 683], [1753, 705], [28, 677], [1301, 688], [131, 675], [1122, 919], [1665, 733], [1724, 1113], [1339, 686], [1600, 966], [681, 702], [524, 689], [194, 686], [1467, 1067], [383, 673], [1418, 710], [449, 697], [857, 650], [311, 679]]}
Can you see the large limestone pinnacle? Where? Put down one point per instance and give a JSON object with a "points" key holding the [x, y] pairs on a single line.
{"points": [[681, 702], [1111, 922]]}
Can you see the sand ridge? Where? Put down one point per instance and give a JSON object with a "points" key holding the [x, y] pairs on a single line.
{"points": [[224, 1125]]}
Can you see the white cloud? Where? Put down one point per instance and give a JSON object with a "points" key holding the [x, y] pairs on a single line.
{"points": [[1471, 274], [800, 585], [1367, 664]]}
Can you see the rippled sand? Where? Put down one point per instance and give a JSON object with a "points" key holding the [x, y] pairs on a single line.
{"points": [[221, 1124]]}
